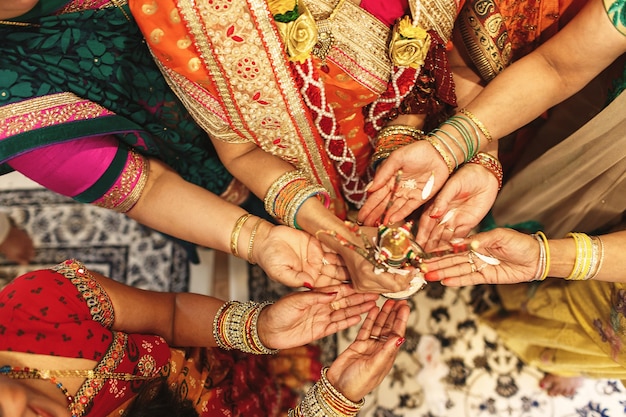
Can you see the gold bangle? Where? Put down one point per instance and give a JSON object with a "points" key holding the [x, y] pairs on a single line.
{"points": [[390, 130], [478, 124], [234, 236], [441, 152], [251, 243]]}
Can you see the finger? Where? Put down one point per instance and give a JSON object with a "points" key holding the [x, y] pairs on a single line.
{"points": [[374, 208], [366, 328], [335, 272], [381, 319]]}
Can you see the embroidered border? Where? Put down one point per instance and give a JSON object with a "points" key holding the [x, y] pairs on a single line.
{"points": [[361, 43], [41, 112], [262, 103], [486, 40], [96, 298], [129, 186]]}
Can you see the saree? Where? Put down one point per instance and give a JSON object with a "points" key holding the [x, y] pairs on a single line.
{"points": [[80, 93], [227, 61]]}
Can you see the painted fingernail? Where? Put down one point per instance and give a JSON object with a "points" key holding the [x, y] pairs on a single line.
{"points": [[400, 341], [431, 276], [308, 285]]}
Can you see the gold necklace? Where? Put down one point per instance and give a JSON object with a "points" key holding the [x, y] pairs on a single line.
{"points": [[325, 36], [116, 3]]}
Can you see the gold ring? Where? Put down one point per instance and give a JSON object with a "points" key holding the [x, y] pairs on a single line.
{"points": [[334, 306], [324, 261], [450, 229]]}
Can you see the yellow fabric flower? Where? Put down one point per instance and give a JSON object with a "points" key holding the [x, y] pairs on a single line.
{"points": [[281, 6], [300, 36], [409, 44]]}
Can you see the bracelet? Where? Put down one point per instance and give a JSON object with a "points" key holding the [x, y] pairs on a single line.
{"points": [[287, 194], [323, 400], [391, 138], [543, 237], [598, 266], [457, 122], [442, 152], [277, 194], [478, 124], [541, 266], [299, 199], [234, 236], [235, 327], [251, 242], [586, 257], [491, 163]]}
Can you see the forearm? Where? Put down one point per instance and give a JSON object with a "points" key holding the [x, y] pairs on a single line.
{"points": [[611, 261], [176, 207]]}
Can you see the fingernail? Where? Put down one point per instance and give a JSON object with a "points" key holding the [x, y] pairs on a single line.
{"points": [[431, 276], [367, 187], [400, 341], [308, 285]]}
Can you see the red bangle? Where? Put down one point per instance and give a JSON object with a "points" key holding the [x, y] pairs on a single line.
{"points": [[491, 163]]}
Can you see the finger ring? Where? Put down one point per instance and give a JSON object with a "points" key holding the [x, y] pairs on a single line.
{"points": [[409, 184], [450, 229], [324, 261], [374, 337], [334, 306]]}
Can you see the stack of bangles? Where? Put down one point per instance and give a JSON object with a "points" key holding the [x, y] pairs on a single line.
{"points": [[323, 400], [589, 257], [235, 327], [287, 194], [588, 262], [391, 138]]}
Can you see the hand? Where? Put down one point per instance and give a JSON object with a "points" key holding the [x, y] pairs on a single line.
{"points": [[517, 252], [417, 161], [18, 246], [295, 258], [364, 277], [302, 317], [363, 365], [462, 203]]}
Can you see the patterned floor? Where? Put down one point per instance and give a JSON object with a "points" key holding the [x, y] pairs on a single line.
{"points": [[107, 242]]}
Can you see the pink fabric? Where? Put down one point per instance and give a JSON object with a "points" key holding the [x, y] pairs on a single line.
{"points": [[387, 11], [68, 168]]}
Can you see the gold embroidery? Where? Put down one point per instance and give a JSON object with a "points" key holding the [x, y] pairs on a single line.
{"points": [[132, 181], [266, 109], [46, 111], [360, 46]]}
